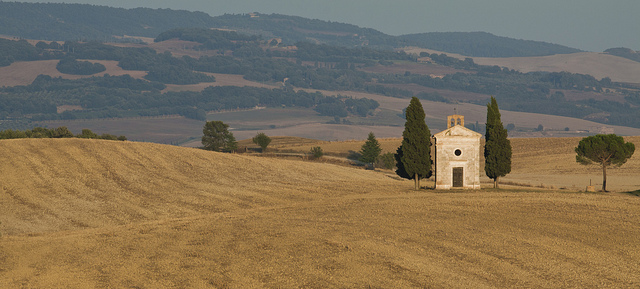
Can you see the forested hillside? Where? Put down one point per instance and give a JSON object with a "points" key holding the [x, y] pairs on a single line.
{"points": [[482, 44], [286, 52], [54, 21], [624, 52], [306, 65], [76, 22]]}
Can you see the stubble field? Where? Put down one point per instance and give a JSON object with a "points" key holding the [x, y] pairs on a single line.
{"points": [[90, 213]]}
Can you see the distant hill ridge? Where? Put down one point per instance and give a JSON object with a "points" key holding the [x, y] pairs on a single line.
{"points": [[624, 52], [62, 22], [483, 44]]}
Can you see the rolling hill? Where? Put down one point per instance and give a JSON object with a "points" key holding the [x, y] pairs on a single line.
{"points": [[73, 22], [483, 44], [172, 77], [86, 213]]}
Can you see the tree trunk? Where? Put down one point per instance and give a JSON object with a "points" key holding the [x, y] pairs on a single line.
{"points": [[416, 181], [495, 183], [604, 177]]}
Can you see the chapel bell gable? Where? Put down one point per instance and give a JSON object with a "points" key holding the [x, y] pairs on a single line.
{"points": [[454, 120], [457, 155]]}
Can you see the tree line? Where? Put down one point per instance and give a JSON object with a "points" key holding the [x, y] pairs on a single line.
{"points": [[70, 65], [124, 96], [60, 132]]}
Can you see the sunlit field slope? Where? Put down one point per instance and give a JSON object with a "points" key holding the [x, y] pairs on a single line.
{"points": [[87, 213]]}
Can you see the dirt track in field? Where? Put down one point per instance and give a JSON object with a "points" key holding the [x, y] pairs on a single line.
{"points": [[89, 213]]}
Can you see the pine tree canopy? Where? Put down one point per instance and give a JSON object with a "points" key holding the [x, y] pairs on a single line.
{"points": [[608, 149], [605, 150], [370, 150]]}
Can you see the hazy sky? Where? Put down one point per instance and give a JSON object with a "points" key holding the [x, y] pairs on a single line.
{"points": [[592, 25]]}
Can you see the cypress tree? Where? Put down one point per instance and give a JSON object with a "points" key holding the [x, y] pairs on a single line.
{"points": [[400, 171], [416, 143], [497, 148]]}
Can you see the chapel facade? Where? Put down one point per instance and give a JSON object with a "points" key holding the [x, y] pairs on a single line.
{"points": [[457, 156]]}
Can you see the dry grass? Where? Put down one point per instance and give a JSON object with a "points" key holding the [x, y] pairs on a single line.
{"points": [[25, 72], [599, 65], [542, 162], [88, 213], [343, 147], [284, 142], [552, 162], [221, 80]]}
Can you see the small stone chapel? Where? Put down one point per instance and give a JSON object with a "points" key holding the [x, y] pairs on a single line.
{"points": [[457, 155]]}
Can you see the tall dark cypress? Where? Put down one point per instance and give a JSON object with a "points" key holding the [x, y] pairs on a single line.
{"points": [[400, 171], [416, 143], [497, 148]]}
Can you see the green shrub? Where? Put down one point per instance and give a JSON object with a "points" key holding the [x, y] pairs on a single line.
{"points": [[386, 161], [316, 152], [262, 140]]}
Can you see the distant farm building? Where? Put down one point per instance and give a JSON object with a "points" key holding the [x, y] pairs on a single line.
{"points": [[457, 155]]}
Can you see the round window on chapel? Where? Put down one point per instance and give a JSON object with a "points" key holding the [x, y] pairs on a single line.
{"points": [[458, 152]]}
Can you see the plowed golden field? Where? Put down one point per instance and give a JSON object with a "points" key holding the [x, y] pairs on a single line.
{"points": [[104, 214]]}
